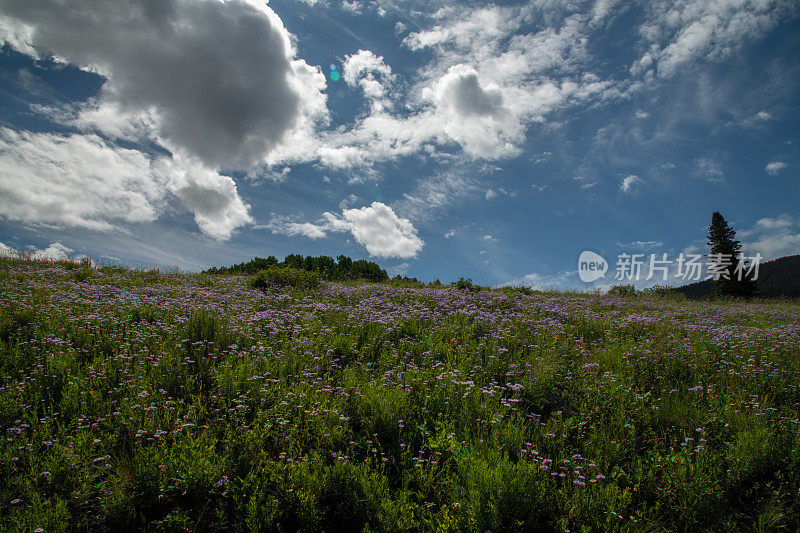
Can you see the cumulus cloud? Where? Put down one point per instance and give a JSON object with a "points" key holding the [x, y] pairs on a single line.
{"points": [[213, 199], [375, 227], [474, 115], [286, 226], [773, 168], [379, 230], [485, 84], [215, 83], [7, 251], [463, 28], [77, 181], [83, 181], [772, 237], [55, 252], [628, 183], [366, 70], [489, 81], [219, 78]]}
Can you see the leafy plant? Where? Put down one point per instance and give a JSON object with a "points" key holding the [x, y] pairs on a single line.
{"points": [[625, 291], [285, 277]]}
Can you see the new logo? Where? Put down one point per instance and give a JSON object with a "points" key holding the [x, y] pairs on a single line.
{"points": [[591, 266]]}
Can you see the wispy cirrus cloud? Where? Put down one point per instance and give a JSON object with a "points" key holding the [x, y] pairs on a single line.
{"points": [[682, 34], [628, 183]]}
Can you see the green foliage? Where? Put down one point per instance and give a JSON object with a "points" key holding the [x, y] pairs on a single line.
{"points": [[779, 278], [663, 291], [466, 284], [624, 291], [344, 268], [285, 277], [164, 401], [404, 281], [732, 278]]}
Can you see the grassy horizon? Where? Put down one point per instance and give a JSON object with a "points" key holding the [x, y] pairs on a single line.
{"points": [[170, 401]]}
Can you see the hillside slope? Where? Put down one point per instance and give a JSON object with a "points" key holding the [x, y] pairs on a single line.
{"points": [[777, 278]]}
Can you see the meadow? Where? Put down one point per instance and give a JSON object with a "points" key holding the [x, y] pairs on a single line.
{"points": [[145, 400]]}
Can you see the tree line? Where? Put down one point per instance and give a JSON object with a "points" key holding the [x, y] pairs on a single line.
{"points": [[342, 268]]}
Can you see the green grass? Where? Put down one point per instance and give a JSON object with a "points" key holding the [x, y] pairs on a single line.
{"points": [[144, 400]]}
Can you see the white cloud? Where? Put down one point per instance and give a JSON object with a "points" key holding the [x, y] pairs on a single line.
{"points": [[7, 251], [104, 117], [772, 237], [681, 33], [400, 270], [773, 168], [490, 194], [431, 196], [561, 281], [710, 169], [306, 229], [450, 233], [541, 158], [483, 88], [756, 120], [474, 115], [355, 7], [366, 70], [83, 181], [55, 252], [375, 227], [218, 79], [629, 182], [379, 230], [641, 244], [77, 181], [464, 28], [213, 199]]}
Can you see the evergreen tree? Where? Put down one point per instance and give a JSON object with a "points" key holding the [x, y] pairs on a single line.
{"points": [[732, 274]]}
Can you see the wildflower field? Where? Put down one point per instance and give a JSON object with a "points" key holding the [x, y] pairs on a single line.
{"points": [[136, 400]]}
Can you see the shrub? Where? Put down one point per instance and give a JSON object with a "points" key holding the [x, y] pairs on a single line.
{"points": [[626, 291], [517, 289], [285, 277], [465, 284], [664, 291]]}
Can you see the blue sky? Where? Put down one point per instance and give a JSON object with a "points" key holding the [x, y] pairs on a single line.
{"points": [[491, 141]]}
